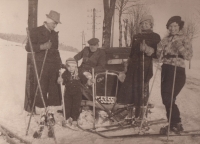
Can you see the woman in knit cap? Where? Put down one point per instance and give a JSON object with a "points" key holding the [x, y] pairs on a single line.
{"points": [[131, 91], [174, 49]]}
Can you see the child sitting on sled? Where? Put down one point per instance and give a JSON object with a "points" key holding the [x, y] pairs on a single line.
{"points": [[72, 79]]}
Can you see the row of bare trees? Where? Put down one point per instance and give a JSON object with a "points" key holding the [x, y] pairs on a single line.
{"points": [[129, 14], [131, 11]]}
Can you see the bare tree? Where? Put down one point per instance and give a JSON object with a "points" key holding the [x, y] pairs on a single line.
{"points": [[109, 7], [29, 88], [192, 30], [126, 31], [134, 16], [122, 6]]}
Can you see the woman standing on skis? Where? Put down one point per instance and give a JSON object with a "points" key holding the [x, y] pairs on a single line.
{"points": [[136, 83], [174, 49]]}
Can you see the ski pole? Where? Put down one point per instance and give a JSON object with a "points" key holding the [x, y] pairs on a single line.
{"points": [[142, 107], [94, 98], [35, 68], [63, 101], [36, 92], [154, 77], [172, 96]]}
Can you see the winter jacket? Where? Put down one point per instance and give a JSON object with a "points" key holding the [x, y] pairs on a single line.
{"points": [[136, 56], [73, 85], [170, 46], [97, 60], [41, 35], [130, 90]]}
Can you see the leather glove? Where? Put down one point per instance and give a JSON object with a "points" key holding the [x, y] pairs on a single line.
{"points": [[45, 46]]}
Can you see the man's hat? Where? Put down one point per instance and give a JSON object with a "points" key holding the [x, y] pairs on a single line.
{"points": [[71, 61], [55, 16], [93, 41]]}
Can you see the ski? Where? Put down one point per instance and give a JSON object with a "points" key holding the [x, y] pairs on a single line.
{"points": [[116, 127], [133, 126], [11, 136], [70, 127], [184, 133]]}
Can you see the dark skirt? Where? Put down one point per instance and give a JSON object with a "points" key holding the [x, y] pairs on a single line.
{"points": [[130, 92]]}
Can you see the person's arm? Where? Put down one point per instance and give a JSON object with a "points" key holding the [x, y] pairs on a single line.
{"points": [[185, 49], [64, 77], [82, 78], [79, 55], [150, 50], [101, 62], [160, 47], [34, 40], [37, 47]]}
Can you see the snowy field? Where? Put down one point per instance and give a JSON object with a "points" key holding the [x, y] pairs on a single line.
{"points": [[12, 90]]}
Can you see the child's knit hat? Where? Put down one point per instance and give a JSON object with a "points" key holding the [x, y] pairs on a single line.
{"points": [[71, 61]]}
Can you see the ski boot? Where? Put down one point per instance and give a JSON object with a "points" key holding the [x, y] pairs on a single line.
{"points": [[50, 119], [38, 134], [50, 132], [75, 125], [164, 130], [67, 122], [177, 128]]}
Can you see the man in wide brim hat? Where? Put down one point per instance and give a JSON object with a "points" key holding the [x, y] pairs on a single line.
{"points": [[44, 40]]}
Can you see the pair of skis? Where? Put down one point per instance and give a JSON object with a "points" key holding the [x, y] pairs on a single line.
{"points": [[193, 133], [50, 125]]}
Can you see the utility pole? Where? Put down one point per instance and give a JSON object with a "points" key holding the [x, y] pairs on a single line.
{"points": [[112, 34], [93, 23], [93, 17], [83, 39]]}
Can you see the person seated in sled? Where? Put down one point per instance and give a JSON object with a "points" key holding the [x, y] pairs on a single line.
{"points": [[132, 89], [72, 79], [92, 57], [174, 49]]}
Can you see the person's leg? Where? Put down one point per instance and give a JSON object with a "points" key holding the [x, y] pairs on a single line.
{"points": [[43, 84], [68, 105], [167, 77], [179, 84], [76, 105], [54, 89], [137, 92]]}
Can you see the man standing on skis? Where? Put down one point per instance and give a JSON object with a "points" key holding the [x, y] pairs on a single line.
{"points": [[45, 46]]}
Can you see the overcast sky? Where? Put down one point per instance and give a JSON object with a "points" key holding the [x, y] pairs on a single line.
{"points": [[74, 17]]}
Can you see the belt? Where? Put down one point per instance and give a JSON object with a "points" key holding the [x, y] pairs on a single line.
{"points": [[172, 56]]}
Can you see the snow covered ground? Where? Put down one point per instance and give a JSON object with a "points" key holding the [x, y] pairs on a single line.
{"points": [[12, 89]]}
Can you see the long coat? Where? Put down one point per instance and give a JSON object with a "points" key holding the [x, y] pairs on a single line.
{"points": [[97, 60], [48, 81], [131, 90]]}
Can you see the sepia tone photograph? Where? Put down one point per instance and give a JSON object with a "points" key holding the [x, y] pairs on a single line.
{"points": [[99, 72]]}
